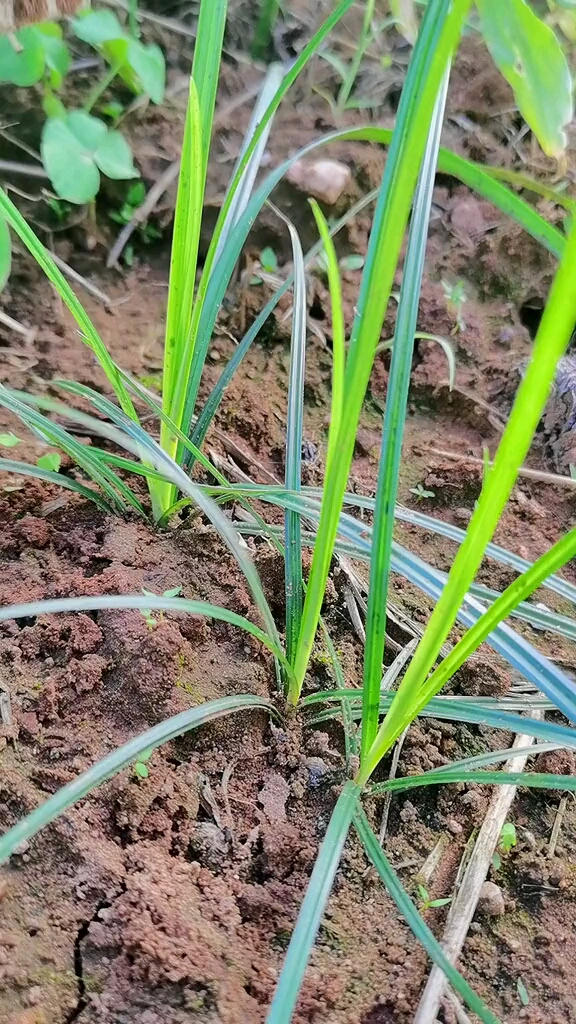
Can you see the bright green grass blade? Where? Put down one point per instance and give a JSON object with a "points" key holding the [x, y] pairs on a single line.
{"points": [[121, 758], [393, 427], [437, 39], [532, 780], [215, 396], [168, 604], [518, 591], [294, 436], [539, 188], [459, 709], [183, 261], [338, 331], [206, 67], [26, 469], [89, 333], [551, 341], [409, 912], [312, 907]]}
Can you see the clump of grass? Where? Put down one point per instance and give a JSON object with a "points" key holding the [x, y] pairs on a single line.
{"points": [[317, 518]]}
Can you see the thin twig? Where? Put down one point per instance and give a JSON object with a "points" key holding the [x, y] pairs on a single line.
{"points": [[557, 826], [465, 901], [14, 325], [14, 167], [75, 276], [530, 474]]}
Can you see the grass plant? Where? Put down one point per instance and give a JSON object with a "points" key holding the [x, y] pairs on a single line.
{"points": [[313, 517]]}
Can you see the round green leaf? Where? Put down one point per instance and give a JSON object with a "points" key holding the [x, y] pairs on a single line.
{"points": [[23, 65], [56, 53], [69, 164], [97, 27], [114, 157], [5, 253], [90, 131], [530, 57], [148, 64]]}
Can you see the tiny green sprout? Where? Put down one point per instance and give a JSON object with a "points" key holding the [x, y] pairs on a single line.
{"points": [[51, 461], [421, 492], [141, 769], [150, 619], [456, 297], [522, 992], [507, 840], [352, 262], [9, 440], [507, 837], [425, 901], [269, 260]]}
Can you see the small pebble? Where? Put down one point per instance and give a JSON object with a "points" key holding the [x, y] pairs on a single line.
{"points": [[454, 826], [491, 900], [325, 180]]}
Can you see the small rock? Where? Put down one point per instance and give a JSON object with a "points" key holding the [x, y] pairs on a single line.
{"points": [[273, 796], [317, 769], [29, 725], [209, 844], [454, 826], [21, 848], [34, 995], [325, 180], [491, 900]]}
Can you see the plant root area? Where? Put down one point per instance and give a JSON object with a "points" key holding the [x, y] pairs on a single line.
{"points": [[170, 899]]}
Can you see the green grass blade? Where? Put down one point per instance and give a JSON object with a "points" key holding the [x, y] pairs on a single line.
{"points": [[122, 758], [551, 341], [338, 331], [437, 39], [26, 469], [495, 756], [206, 67], [215, 280], [312, 908], [52, 433], [215, 396], [167, 604], [183, 262], [294, 437], [89, 333], [532, 780], [518, 591], [459, 709], [419, 928], [243, 190], [393, 427]]}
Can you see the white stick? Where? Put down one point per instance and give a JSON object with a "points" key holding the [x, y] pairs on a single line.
{"points": [[464, 904]]}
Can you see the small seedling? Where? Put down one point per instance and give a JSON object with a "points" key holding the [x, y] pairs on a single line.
{"points": [[522, 992], [426, 903], [150, 619], [141, 769], [507, 840], [51, 461], [268, 262], [420, 491], [134, 198], [9, 440], [456, 297]]}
